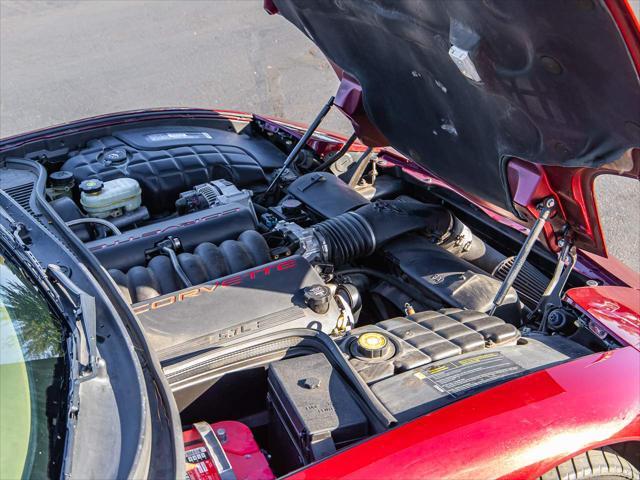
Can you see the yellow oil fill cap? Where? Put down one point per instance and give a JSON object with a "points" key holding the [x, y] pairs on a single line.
{"points": [[373, 344]]}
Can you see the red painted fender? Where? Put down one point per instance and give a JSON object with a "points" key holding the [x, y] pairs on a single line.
{"points": [[519, 429], [617, 309]]}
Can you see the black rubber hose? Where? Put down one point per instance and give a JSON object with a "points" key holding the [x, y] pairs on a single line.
{"points": [[347, 237], [337, 156], [357, 234], [177, 267], [399, 284], [100, 221]]}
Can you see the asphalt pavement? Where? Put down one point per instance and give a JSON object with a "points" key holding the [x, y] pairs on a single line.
{"points": [[61, 61]]}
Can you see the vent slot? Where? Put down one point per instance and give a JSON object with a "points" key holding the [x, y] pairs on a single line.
{"points": [[530, 282], [22, 195]]}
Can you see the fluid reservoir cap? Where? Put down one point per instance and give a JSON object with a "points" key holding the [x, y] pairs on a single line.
{"points": [[373, 345], [317, 298], [117, 155], [62, 178], [291, 206], [91, 186]]}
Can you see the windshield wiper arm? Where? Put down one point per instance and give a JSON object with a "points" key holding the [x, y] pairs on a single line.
{"points": [[84, 307]]}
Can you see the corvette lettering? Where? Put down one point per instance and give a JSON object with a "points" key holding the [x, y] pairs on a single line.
{"points": [[212, 287]]}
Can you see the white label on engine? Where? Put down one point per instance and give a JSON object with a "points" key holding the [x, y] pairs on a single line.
{"points": [[162, 137]]}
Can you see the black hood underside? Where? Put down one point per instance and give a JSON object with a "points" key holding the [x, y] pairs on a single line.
{"points": [[557, 85]]}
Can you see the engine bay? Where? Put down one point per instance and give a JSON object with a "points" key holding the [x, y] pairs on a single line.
{"points": [[304, 308]]}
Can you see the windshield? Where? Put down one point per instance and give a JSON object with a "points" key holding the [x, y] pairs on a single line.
{"points": [[33, 378]]}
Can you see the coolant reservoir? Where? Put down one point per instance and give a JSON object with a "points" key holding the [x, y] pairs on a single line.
{"points": [[110, 199]]}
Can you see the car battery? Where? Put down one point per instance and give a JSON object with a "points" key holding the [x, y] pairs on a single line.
{"points": [[224, 451], [312, 411]]}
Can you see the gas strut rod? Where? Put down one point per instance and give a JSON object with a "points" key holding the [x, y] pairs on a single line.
{"points": [[301, 143], [545, 212]]}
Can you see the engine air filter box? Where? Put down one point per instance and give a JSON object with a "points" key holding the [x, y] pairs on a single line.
{"points": [[313, 412]]}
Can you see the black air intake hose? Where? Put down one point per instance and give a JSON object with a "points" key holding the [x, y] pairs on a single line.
{"points": [[207, 262], [346, 237], [359, 233]]}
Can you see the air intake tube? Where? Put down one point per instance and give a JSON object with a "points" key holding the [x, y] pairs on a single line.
{"points": [[359, 233], [460, 241]]}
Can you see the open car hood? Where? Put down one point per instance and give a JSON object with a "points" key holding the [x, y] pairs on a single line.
{"points": [[464, 87]]}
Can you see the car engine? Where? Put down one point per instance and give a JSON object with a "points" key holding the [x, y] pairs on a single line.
{"points": [[343, 301]]}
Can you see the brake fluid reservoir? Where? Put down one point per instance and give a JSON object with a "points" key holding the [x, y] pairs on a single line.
{"points": [[110, 199]]}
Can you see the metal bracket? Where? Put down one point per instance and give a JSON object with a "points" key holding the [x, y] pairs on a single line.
{"points": [[552, 297], [361, 165], [333, 158], [215, 451]]}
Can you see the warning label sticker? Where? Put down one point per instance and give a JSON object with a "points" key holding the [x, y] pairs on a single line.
{"points": [[460, 376], [199, 466]]}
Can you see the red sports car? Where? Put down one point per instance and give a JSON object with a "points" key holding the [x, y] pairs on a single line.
{"points": [[188, 293]]}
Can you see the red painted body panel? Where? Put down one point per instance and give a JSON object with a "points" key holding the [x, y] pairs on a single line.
{"points": [[573, 190], [322, 142], [617, 309], [609, 270], [349, 101], [524, 427], [519, 429]]}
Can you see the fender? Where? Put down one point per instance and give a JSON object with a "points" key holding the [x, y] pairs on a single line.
{"points": [[520, 429]]}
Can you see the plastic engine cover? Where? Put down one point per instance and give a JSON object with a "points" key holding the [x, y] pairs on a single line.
{"points": [[215, 224], [452, 280], [242, 451], [232, 308], [424, 338], [427, 360], [169, 160], [421, 390]]}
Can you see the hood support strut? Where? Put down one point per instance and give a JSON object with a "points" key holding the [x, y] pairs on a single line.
{"points": [[546, 209], [301, 143]]}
